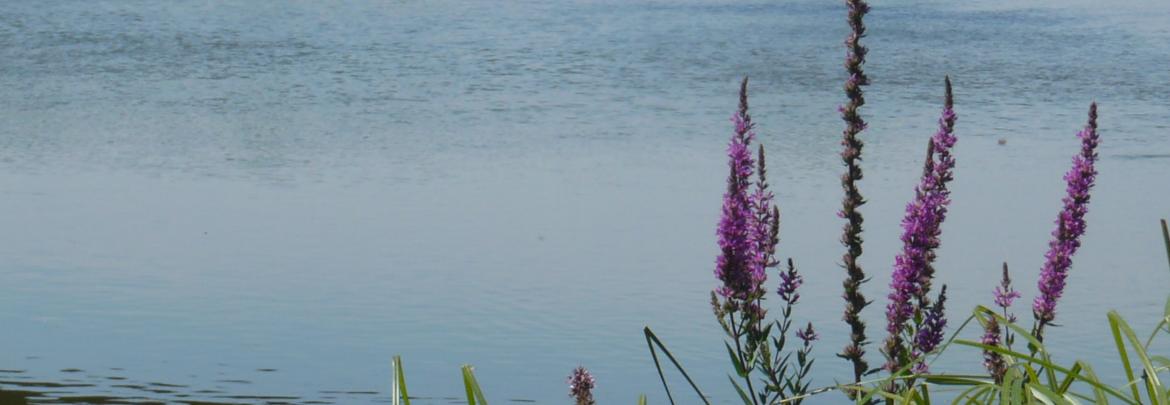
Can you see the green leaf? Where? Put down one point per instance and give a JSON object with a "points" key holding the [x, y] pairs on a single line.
{"points": [[1068, 379], [398, 385], [1029, 361], [955, 379], [1115, 328], [642, 399], [1152, 382], [1099, 394], [742, 395], [972, 393], [1047, 396], [474, 393], [1010, 388], [740, 370], [651, 341]]}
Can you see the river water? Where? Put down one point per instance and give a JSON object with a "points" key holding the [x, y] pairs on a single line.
{"points": [[240, 201]]}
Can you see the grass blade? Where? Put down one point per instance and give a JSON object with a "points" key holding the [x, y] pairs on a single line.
{"points": [[1166, 238], [742, 394], [474, 393], [651, 341], [1029, 360], [398, 385], [1047, 396], [1152, 383], [1098, 394], [1115, 328], [1068, 379]]}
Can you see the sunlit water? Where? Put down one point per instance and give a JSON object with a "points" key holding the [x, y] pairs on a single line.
{"points": [[240, 199]]}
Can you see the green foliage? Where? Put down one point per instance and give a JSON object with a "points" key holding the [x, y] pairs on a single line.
{"points": [[474, 393], [398, 384]]}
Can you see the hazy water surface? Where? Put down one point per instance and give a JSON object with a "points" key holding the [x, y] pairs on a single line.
{"points": [[240, 199]]}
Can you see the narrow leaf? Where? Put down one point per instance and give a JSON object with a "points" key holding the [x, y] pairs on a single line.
{"points": [[742, 395], [1099, 394], [740, 370], [1153, 384], [399, 383], [1166, 238], [651, 341]]}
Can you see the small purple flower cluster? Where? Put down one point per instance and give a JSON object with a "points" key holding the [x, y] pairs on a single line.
{"points": [[807, 335], [1004, 294], [581, 384], [790, 281]]}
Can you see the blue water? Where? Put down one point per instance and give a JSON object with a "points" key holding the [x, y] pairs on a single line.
{"points": [[247, 198]]}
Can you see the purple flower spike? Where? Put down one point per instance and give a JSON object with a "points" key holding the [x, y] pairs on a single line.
{"points": [[1070, 225], [931, 333], [581, 385], [921, 228], [790, 281], [992, 360], [1004, 294], [740, 266]]}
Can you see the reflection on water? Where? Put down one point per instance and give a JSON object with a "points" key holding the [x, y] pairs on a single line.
{"points": [[238, 198], [107, 387]]}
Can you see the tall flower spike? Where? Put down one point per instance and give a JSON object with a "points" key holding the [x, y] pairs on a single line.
{"points": [[738, 265], [855, 301], [1070, 225], [921, 228], [943, 140], [581, 385]]}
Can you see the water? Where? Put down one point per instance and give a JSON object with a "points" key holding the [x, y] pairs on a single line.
{"points": [[245, 200]]}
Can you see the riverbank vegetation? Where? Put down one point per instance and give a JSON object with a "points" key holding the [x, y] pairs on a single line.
{"points": [[770, 357]]}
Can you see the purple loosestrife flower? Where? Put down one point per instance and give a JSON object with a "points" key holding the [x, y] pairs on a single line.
{"points": [[766, 229], [1070, 225], [739, 265], [913, 270], [931, 333], [581, 385], [807, 335], [790, 281], [992, 360], [765, 233], [1004, 294]]}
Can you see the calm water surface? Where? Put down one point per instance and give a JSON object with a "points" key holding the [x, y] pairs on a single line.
{"points": [[237, 199]]}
